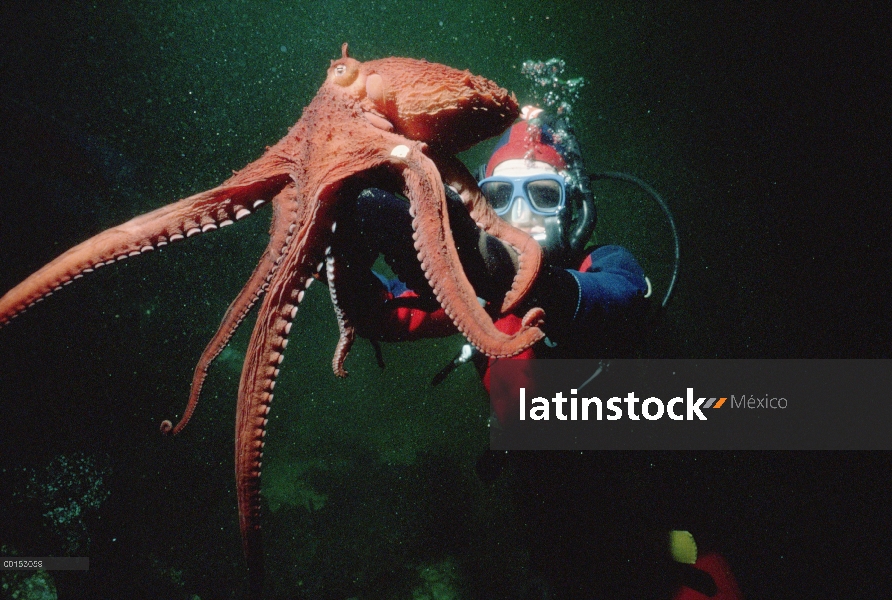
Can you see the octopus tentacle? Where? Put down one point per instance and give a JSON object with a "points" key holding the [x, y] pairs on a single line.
{"points": [[196, 214], [345, 327], [529, 253], [265, 353], [441, 265], [280, 237]]}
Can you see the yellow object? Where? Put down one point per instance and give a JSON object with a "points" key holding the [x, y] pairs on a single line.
{"points": [[683, 547]]}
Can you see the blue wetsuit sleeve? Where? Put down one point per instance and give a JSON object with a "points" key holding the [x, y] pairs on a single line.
{"points": [[609, 285], [604, 314]]}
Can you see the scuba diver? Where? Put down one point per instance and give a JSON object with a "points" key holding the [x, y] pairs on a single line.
{"points": [[595, 300], [597, 303]]}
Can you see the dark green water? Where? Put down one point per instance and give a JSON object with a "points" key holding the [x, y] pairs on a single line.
{"points": [[766, 129]]}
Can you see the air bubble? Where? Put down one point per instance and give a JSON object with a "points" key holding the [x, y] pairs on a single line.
{"points": [[550, 90]]}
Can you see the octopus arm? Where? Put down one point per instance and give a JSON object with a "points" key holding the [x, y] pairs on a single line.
{"points": [[265, 352], [441, 265], [529, 253], [302, 261], [206, 211], [346, 329], [281, 235]]}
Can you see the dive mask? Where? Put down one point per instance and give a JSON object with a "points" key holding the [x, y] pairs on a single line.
{"points": [[544, 193]]}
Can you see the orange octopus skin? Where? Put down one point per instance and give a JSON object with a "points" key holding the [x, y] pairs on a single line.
{"points": [[368, 122]]}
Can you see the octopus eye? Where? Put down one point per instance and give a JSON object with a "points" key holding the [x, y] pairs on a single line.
{"points": [[345, 73]]}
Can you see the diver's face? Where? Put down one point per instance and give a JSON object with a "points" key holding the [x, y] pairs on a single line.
{"points": [[520, 210], [521, 216]]}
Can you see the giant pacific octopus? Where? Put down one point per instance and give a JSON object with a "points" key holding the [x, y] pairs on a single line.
{"points": [[395, 123]]}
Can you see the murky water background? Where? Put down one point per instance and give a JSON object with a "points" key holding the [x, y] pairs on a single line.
{"points": [[763, 129]]}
